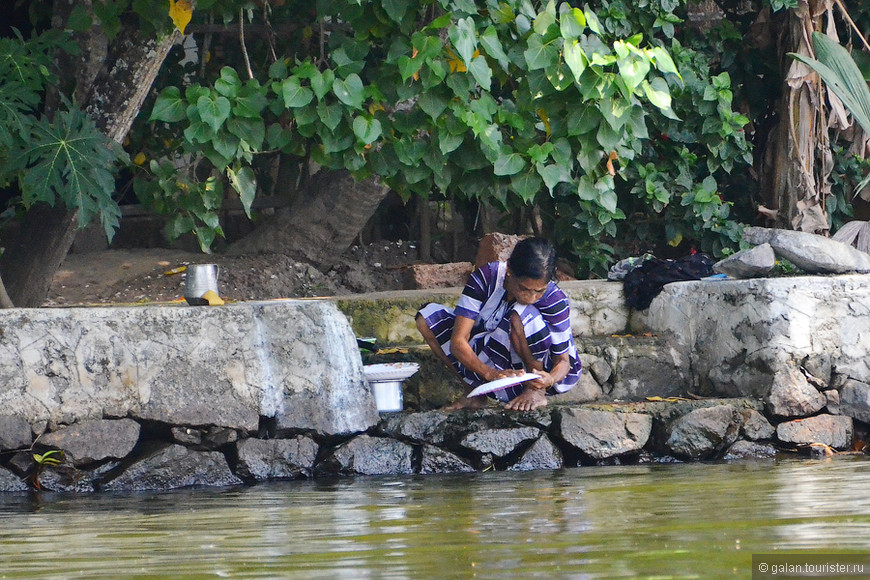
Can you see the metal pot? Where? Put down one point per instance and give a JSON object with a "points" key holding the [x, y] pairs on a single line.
{"points": [[388, 395], [200, 279]]}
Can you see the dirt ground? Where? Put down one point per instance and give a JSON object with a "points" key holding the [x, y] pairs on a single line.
{"points": [[146, 275]]}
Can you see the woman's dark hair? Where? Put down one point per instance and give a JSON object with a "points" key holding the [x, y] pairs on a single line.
{"points": [[533, 258]]}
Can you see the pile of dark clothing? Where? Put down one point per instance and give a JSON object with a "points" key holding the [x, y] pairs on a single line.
{"points": [[644, 276]]}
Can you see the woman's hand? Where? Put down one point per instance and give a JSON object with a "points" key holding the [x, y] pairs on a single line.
{"points": [[545, 382], [495, 374]]}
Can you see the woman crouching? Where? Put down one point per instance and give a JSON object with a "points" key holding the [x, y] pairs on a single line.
{"points": [[510, 318]]}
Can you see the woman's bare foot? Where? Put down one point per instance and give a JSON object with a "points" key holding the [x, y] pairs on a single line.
{"points": [[473, 403], [529, 400]]}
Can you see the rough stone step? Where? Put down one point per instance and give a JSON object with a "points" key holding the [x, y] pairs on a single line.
{"points": [[618, 367]]}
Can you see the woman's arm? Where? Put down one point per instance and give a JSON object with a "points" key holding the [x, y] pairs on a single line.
{"points": [[561, 366], [462, 351]]}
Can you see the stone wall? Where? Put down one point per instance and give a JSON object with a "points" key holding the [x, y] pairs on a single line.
{"points": [[173, 396]]}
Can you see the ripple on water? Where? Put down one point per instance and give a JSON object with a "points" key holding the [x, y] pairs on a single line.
{"points": [[683, 520]]}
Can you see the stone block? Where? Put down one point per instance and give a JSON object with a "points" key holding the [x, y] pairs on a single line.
{"points": [[437, 460], [810, 252], [641, 366], [429, 276], [367, 455], [495, 247], [15, 433], [498, 442], [832, 430], [752, 263], [91, 441], [702, 432], [749, 450], [603, 434], [755, 426], [263, 460], [737, 335], [855, 400], [792, 396], [173, 467], [543, 454]]}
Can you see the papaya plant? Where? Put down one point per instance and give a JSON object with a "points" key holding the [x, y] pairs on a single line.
{"points": [[64, 159]]}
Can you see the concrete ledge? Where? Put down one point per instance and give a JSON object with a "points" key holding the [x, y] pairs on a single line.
{"points": [[226, 366], [597, 308], [739, 336]]}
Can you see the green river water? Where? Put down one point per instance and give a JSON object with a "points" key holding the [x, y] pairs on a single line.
{"points": [[675, 520]]}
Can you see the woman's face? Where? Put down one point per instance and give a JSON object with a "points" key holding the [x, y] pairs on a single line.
{"points": [[524, 290]]}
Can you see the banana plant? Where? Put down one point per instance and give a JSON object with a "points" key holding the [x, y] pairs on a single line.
{"points": [[843, 77]]}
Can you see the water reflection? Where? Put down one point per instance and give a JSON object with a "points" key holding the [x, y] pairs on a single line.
{"points": [[819, 499], [689, 520]]}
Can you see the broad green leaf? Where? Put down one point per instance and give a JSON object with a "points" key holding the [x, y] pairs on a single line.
{"points": [[481, 72], [492, 45], [583, 119], [229, 83], [178, 224], [575, 58], [169, 107], [467, 6], [608, 200], [559, 76], [509, 164], [226, 144], [70, 161], [337, 142], [251, 131], [213, 111], [553, 174], [205, 237], [463, 37], [441, 22], [408, 66], [349, 91], [586, 189], [544, 21], [244, 181], [322, 82], [572, 23], [659, 95], [330, 115], [432, 104], [663, 61], [633, 70], [250, 102], [447, 141], [526, 185], [294, 94], [592, 21], [607, 137], [198, 132], [539, 55], [366, 130], [395, 9], [277, 136]]}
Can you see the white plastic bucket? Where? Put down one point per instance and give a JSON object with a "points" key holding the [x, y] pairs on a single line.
{"points": [[388, 395]]}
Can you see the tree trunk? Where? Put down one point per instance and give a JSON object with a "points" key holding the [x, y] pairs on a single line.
{"points": [[795, 169], [320, 226], [114, 98]]}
